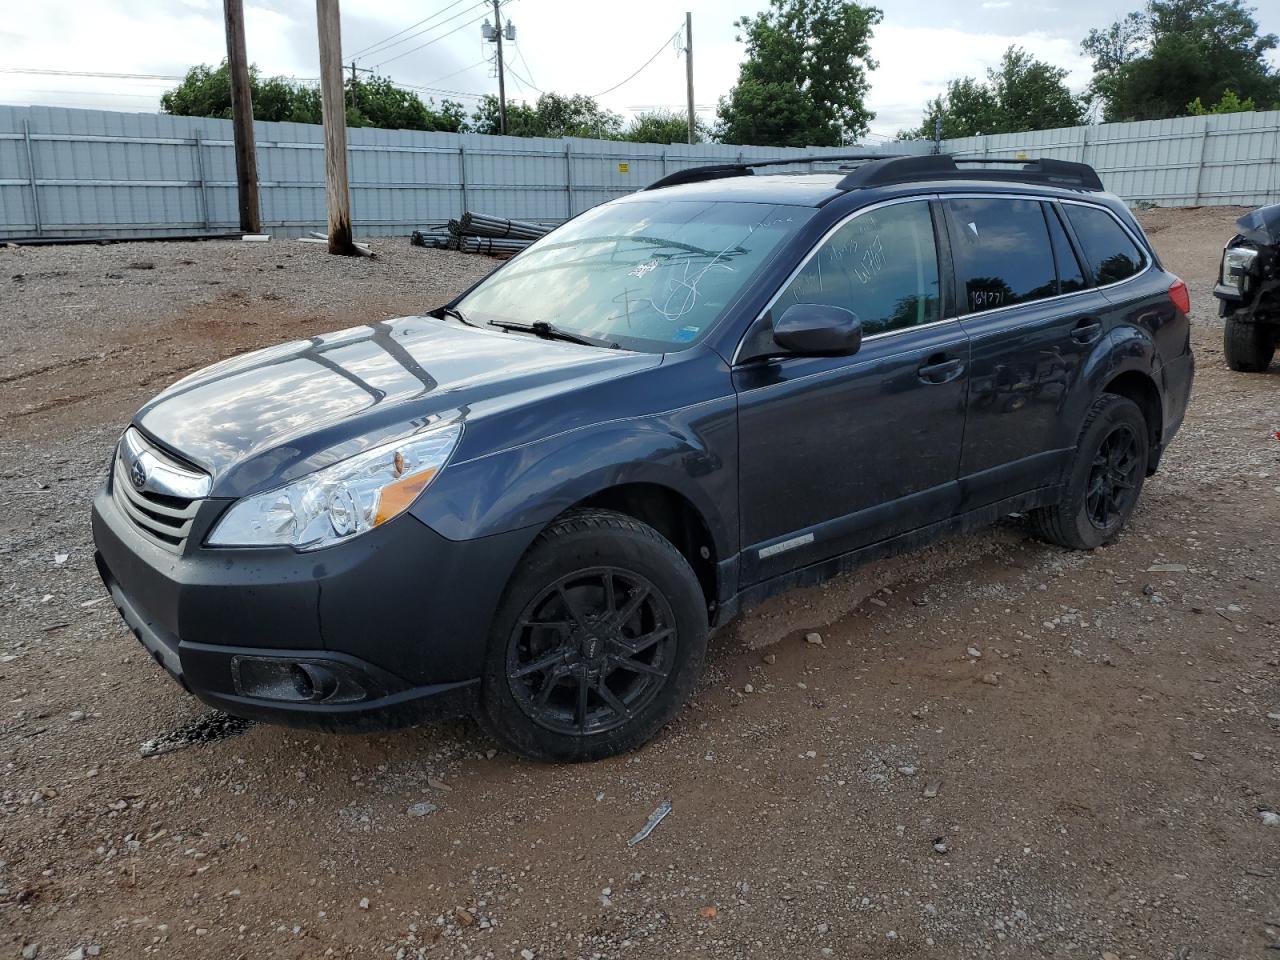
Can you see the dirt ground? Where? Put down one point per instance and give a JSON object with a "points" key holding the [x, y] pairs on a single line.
{"points": [[997, 749]]}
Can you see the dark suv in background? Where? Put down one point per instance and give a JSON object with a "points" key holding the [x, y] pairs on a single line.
{"points": [[534, 503]]}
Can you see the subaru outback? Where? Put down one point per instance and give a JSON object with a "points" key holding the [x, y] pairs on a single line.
{"points": [[534, 503]]}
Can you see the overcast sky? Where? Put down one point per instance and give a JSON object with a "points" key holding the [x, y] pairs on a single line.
{"points": [[570, 46]]}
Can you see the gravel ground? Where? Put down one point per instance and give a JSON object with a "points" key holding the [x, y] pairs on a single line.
{"points": [[993, 748]]}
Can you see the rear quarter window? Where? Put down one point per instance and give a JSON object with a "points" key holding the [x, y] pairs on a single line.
{"points": [[1110, 252]]}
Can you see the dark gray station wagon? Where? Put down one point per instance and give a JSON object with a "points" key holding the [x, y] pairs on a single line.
{"points": [[533, 503]]}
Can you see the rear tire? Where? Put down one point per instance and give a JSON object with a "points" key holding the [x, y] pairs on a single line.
{"points": [[1105, 481], [597, 642], [1249, 347]]}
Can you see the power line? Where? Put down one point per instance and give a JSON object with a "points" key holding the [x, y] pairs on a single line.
{"points": [[430, 42], [524, 82], [527, 68], [89, 73], [463, 70], [655, 56], [407, 29], [419, 33]]}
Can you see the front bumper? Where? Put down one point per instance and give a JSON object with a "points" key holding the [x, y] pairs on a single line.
{"points": [[398, 616]]}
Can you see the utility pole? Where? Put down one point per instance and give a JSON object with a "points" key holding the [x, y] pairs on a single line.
{"points": [[355, 80], [502, 82], [688, 70], [242, 118], [337, 197]]}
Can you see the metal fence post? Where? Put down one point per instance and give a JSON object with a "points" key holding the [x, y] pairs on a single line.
{"points": [[204, 191], [1275, 165], [568, 177], [1204, 141], [31, 173], [664, 163], [462, 174]]}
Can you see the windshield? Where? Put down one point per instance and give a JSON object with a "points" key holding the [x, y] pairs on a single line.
{"points": [[652, 275]]}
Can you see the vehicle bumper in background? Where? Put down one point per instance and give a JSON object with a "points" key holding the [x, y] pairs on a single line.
{"points": [[386, 630]]}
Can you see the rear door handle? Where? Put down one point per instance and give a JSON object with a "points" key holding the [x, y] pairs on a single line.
{"points": [[1086, 331], [940, 369]]}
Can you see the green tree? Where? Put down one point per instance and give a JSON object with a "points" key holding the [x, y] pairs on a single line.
{"points": [[1022, 94], [376, 102], [1153, 63], [1229, 103], [804, 78], [663, 126], [554, 115]]}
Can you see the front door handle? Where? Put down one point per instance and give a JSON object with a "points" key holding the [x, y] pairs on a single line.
{"points": [[940, 368], [1086, 331]]}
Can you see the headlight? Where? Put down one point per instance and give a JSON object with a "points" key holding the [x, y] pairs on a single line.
{"points": [[1237, 262], [340, 501]]}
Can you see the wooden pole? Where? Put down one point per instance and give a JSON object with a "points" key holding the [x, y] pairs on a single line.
{"points": [[337, 197], [502, 79], [688, 71], [242, 118]]}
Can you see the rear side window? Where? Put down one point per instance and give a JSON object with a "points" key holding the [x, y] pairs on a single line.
{"points": [[1111, 254], [1002, 252], [882, 265]]}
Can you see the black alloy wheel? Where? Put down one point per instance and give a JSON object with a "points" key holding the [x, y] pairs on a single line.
{"points": [[591, 651], [1113, 479], [596, 643]]}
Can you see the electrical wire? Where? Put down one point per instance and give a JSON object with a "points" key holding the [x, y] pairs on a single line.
{"points": [[655, 56], [431, 41], [434, 26], [373, 46], [89, 73], [527, 68], [519, 79], [463, 70]]}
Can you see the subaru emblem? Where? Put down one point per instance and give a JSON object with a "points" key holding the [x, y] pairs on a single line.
{"points": [[138, 474]]}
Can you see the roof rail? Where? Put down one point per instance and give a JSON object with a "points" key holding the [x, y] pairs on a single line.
{"points": [[745, 168], [1056, 173]]}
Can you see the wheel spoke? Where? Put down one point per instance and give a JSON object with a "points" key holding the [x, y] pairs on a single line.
{"points": [[609, 697], [545, 662], [610, 595], [550, 683], [577, 617], [584, 691], [635, 645], [629, 609], [636, 666]]}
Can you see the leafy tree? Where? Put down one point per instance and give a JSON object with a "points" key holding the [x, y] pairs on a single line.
{"points": [[663, 126], [1229, 103], [554, 115], [1153, 63], [804, 78], [1022, 94], [206, 92]]}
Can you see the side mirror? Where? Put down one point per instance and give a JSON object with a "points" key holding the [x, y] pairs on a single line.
{"points": [[818, 330]]}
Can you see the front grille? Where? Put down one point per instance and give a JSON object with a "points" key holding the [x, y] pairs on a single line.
{"points": [[162, 509]]}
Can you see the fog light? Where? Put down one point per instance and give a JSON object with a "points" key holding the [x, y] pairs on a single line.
{"points": [[295, 681]]}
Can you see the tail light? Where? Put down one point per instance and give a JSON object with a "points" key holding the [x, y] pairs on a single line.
{"points": [[1180, 296]]}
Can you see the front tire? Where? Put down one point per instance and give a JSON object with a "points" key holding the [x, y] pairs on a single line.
{"points": [[1106, 478], [597, 642], [1249, 347]]}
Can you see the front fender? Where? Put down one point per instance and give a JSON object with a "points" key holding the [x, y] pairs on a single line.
{"points": [[691, 450]]}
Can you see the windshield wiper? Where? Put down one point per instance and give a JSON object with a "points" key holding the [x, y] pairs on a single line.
{"points": [[550, 332], [456, 314]]}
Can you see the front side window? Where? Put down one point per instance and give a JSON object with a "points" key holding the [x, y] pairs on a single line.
{"points": [[1112, 255], [652, 275], [882, 265], [1002, 252]]}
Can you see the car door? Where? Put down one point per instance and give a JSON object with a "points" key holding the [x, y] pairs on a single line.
{"points": [[1031, 322], [836, 453]]}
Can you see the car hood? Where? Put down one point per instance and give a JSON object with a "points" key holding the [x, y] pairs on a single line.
{"points": [[270, 416]]}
